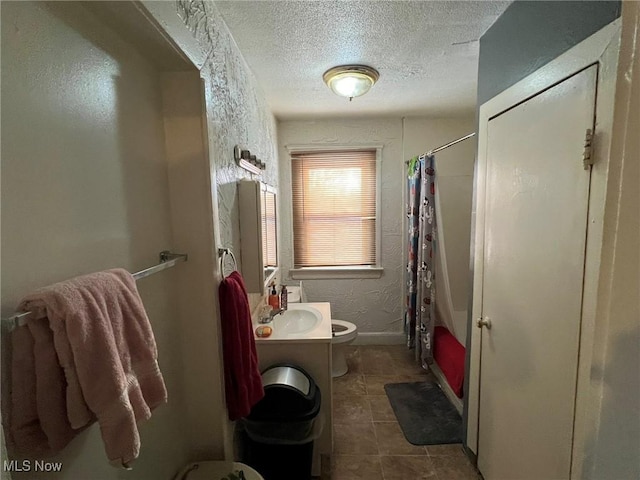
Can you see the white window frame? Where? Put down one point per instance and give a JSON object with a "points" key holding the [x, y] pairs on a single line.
{"points": [[372, 271]]}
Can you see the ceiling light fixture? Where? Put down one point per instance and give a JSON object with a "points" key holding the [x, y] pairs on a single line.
{"points": [[350, 80]]}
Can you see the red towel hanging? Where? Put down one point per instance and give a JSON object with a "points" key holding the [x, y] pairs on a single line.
{"points": [[243, 384]]}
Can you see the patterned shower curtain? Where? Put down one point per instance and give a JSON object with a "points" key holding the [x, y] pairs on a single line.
{"points": [[421, 287]]}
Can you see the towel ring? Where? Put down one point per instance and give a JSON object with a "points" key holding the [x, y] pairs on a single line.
{"points": [[223, 252]]}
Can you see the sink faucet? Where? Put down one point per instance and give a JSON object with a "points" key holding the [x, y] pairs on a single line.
{"points": [[275, 312], [270, 315]]}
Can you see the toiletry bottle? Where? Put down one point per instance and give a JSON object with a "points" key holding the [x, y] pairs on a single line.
{"points": [[284, 297], [274, 301]]}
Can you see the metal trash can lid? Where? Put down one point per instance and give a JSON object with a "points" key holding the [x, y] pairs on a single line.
{"points": [[290, 395], [286, 376]]}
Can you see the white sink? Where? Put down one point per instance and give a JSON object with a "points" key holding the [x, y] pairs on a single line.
{"points": [[301, 322], [297, 320]]}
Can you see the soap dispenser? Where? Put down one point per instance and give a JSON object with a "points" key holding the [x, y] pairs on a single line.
{"points": [[284, 298], [274, 300]]}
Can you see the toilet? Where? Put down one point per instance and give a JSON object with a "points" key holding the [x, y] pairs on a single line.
{"points": [[343, 333], [216, 470]]}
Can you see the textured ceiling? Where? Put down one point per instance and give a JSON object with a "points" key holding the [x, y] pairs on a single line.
{"points": [[426, 53]]}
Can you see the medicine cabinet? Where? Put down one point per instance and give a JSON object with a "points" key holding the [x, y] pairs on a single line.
{"points": [[258, 234]]}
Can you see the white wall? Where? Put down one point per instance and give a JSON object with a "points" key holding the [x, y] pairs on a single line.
{"points": [[236, 114], [193, 226], [84, 188], [612, 447], [372, 304], [377, 305], [85, 129], [454, 170]]}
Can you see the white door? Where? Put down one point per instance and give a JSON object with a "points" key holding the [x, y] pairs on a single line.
{"points": [[535, 233]]}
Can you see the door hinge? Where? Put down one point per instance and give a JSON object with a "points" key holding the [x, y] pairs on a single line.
{"points": [[587, 156]]}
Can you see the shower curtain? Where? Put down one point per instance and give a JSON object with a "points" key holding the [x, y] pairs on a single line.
{"points": [[421, 292]]}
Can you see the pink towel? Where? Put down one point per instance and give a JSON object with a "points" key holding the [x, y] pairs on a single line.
{"points": [[243, 384], [106, 348], [39, 424]]}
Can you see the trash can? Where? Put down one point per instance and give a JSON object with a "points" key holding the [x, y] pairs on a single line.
{"points": [[281, 428]]}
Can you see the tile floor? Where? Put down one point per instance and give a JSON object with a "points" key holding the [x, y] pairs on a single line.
{"points": [[368, 442]]}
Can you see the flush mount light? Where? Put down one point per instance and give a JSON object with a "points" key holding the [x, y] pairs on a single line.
{"points": [[350, 80]]}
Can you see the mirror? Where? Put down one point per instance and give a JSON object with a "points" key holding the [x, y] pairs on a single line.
{"points": [[258, 234], [269, 232]]}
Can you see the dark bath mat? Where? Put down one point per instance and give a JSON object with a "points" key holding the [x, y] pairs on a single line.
{"points": [[425, 414]]}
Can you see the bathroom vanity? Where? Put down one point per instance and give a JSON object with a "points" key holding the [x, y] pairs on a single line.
{"points": [[302, 336]]}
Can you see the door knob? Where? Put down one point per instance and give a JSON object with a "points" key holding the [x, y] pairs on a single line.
{"points": [[483, 322]]}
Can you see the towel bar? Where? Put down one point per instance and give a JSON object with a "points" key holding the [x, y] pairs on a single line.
{"points": [[223, 252], [167, 260]]}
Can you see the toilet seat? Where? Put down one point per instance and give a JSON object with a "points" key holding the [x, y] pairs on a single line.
{"points": [[213, 470], [342, 331]]}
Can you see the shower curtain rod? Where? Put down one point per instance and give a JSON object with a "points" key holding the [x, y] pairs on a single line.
{"points": [[446, 145]]}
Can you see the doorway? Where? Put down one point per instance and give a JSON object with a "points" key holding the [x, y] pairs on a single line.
{"points": [[535, 234]]}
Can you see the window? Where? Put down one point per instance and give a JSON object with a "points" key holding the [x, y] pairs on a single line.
{"points": [[334, 208]]}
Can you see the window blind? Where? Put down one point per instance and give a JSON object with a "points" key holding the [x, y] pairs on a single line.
{"points": [[334, 208]]}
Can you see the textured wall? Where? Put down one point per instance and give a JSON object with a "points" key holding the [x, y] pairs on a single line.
{"points": [[377, 305], [238, 114], [372, 304]]}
